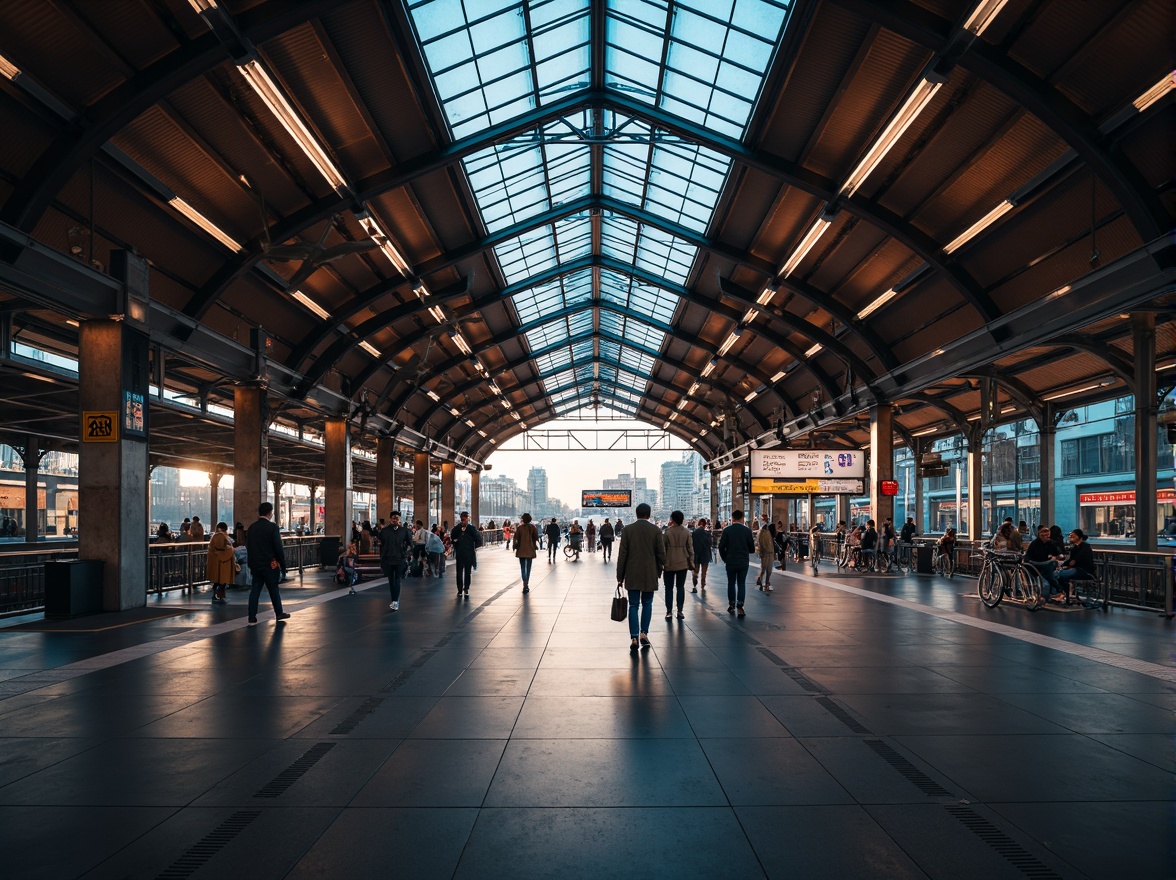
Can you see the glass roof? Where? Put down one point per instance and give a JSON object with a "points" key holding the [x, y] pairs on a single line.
{"points": [[700, 61]]}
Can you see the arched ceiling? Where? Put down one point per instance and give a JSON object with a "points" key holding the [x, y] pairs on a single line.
{"points": [[730, 219]]}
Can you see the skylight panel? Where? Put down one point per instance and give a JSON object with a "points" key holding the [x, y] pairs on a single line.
{"points": [[527, 255], [538, 301], [547, 335], [554, 361]]}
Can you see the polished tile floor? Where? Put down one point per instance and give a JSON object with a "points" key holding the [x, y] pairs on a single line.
{"points": [[847, 727]]}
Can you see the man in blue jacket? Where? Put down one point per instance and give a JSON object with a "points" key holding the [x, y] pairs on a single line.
{"points": [[735, 548]]}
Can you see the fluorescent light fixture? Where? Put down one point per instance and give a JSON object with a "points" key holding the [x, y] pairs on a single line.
{"points": [[379, 236], [494, 387], [311, 304], [812, 351], [514, 415], [480, 431], [982, 15], [432, 394], [731, 340], [925, 432], [749, 316], [979, 226], [806, 244], [471, 423], [1062, 394], [673, 416], [453, 411], [709, 368], [779, 375], [420, 290], [202, 5], [666, 425], [752, 396], [438, 314], [1158, 367], [460, 342], [682, 403], [766, 296], [505, 403], [71, 322], [877, 304], [205, 224], [1141, 103], [919, 98], [703, 432], [491, 439], [693, 388], [370, 349], [1061, 291], [273, 98], [8, 70]]}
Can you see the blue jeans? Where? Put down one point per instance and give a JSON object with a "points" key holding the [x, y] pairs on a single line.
{"points": [[1065, 575], [525, 569], [268, 578], [393, 572], [646, 600], [1047, 570], [736, 584]]}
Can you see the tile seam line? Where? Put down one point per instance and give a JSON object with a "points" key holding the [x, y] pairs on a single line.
{"points": [[1109, 658]]}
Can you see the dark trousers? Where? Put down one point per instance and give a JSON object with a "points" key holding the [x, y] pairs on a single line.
{"points": [[464, 569], [268, 578], [393, 573], [736, 584], [674, 582], [606, 546], [551, 548]]}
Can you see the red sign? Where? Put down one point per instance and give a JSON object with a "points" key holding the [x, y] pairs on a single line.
{"points": [[1100, 499], [888, 487]]}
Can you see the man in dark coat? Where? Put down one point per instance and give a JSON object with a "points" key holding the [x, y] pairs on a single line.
{"points": [[395, 551], [267, 561], [466, 541], [735, 548], [641, 559], [551, 530]]}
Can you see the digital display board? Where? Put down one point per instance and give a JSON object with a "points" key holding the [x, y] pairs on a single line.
{"points": [[766, 486], [606, 498], [808, 464]]}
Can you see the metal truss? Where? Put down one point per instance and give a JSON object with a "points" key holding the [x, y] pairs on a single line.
{"points": [[601, 440]]}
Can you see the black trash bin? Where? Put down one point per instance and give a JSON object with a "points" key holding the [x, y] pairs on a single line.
{"points": [[329, 550], [924, 553], [73, 588]]}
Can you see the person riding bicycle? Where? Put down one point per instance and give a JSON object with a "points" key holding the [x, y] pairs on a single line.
{"points": [[576, 537]]}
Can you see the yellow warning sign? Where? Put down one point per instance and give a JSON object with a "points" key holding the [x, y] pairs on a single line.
{"points": [[100, 427]]}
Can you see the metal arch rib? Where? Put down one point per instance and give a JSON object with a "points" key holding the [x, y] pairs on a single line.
{"points": [[931, 32], [1121, 367]]}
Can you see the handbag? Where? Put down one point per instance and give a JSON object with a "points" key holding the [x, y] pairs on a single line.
{"points": [[620, 606]]}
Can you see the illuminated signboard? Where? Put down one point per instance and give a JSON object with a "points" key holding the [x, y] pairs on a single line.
{"points": [[808, 464], [765, 486], [606, 498], [888, 487]]}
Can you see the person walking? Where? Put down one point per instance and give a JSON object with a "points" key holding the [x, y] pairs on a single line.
{"points": [[640, 560], [435, 551], [526, 547], [466, 540], [606, 540], [679, 560], [221, 567], [267, 561], [553, 536], [701, 539], [396, 548], [765, 545], [590, 536], [735, 549]]}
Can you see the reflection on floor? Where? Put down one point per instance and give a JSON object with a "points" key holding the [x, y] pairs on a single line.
{"points": [[826, 734]]}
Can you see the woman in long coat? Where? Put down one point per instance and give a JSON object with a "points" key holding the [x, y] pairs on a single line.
{"points": [[221, 568]]}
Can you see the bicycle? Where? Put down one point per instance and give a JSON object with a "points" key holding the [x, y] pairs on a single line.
{"points": [[572, 551], [815, 552], [944, 563], [1004, 574], [904, 558]]}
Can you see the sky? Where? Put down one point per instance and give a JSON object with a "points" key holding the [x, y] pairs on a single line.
{"points": [[570, 472]]}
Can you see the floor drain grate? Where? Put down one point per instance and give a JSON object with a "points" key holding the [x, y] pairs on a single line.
{"points": [[443, 641], [397, 681], [426, 656], [282, 782], [773, 656], [348, 724], [212, 843], [909, 771], [842, 716], [1027, 863], [803, 680]]}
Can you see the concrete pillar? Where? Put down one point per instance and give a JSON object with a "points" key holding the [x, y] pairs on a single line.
{"points": [[113, 474], [713, 516], [975, 518], [842, 509], [448, 492], [385, 477], [1047, 439], [1143, 327], [214, 481], [738, 499], [881, 461], [279, 514], [250, 451], [337, 494], [420, 487], [31, 457], [313, 487], [917, 478], [475, 513]]}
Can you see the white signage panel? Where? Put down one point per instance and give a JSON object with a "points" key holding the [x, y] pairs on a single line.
{"points": [[808, 464]]}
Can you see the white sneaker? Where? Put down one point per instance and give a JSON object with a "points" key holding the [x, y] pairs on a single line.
{"points": [[395, 606]]}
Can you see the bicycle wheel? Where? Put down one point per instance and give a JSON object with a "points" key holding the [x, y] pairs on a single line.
{"points": [[990, 585], [1028, 585], [569, 551]]}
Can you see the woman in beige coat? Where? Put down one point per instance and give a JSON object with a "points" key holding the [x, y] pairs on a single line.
{"points": [[679, 560], [765, 545], [221, 568], [526, 547]]}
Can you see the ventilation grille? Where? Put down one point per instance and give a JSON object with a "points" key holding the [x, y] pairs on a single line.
{"points": [[281, 783], [348, 724], [795, 674], [909, 771], [1027, 863], [212, 843], [841, 715]]}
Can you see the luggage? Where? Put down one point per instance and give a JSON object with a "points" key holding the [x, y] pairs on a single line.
{"points": [[417, 568]]}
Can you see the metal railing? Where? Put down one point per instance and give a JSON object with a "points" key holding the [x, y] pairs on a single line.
{"points": [[179, 566]]}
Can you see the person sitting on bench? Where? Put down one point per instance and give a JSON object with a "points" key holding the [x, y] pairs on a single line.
{"points": [[1079, 565]]}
